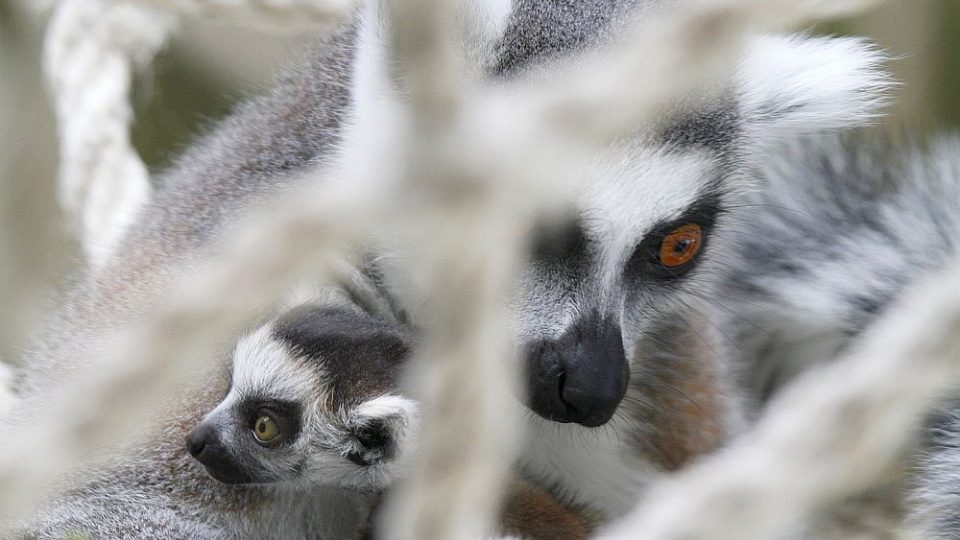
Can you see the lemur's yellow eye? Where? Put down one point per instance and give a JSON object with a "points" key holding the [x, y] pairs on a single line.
{"points": [[681, 245], [265, 428]]}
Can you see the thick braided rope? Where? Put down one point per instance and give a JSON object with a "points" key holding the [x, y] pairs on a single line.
{"points": [[92, 48]]}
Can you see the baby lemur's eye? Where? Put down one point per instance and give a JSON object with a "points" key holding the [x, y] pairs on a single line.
{"points": [[681, 246], [271, 428], [265, 428], [273, 423]]}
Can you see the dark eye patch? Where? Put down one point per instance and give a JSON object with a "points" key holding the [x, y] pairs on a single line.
{"points": [[554, 241], [561, 245], [287, 414], [646, 263]]}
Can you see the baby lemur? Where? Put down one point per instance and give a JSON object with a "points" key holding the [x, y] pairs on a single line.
{"points": [[309, 431]]}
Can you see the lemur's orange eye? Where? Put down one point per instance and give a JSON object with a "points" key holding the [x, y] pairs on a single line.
{"points": [[681, 245]]}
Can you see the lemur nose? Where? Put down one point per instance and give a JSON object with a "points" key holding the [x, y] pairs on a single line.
{"points": [[198, 439], [580, 377]]}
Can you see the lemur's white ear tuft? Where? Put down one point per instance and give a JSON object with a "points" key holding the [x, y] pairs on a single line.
{"points": [[400, 412], [798, 84]]}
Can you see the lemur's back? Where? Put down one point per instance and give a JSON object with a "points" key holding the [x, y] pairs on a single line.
{"points": [[252, 154]]}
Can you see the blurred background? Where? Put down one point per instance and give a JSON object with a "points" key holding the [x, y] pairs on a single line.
{"points": [[208, 67]]}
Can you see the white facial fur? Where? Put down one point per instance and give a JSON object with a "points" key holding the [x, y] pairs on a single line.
{"points": [[625, 192], [264, 366]]}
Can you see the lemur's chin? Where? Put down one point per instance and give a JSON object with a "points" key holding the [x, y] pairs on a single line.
{"points": [[588, 422], [596, 421], [232, 477], [370, 479]]}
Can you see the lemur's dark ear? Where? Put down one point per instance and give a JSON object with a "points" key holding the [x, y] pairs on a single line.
{"points": [[387, 409], [788, 85]]}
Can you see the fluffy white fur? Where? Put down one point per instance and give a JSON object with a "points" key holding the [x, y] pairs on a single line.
{"points": [[789, 85], [263, 365]]}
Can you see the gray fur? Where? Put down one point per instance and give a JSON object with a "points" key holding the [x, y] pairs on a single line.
{"points": [[541, 30], [935, 497], [839, 229]]}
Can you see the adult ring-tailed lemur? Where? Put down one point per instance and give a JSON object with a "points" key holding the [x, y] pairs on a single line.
{"points": [[623, 383]]}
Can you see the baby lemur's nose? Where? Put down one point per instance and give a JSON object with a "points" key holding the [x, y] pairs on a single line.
{"points": [[198, 439], [580, 377]]}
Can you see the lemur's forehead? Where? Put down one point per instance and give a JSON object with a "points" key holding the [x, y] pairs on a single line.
{"points": [[264, 367], [358, 355], [631, 188]]}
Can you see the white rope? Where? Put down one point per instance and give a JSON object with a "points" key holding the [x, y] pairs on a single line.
{"points": [[466, 369], [92, 49]]}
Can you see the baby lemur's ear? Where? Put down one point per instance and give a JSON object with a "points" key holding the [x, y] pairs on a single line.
{"points": [[382, 429], [789, 85]]}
